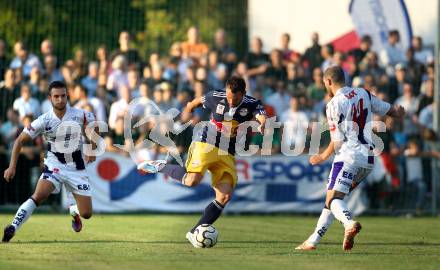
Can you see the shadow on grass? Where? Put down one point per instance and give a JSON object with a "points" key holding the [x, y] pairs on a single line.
{"points": [[257, 242]]}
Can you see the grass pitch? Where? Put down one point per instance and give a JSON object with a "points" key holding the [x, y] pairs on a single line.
{"points": [[245, 242]]}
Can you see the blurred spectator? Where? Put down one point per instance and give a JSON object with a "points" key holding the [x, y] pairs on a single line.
{"points": [[133, 82], [115, 140], [46, 48], [426, 98], [287, 53], [90, 82], [276, 68], [167, 101], [50, 67], [83, 99], [257, 61], [415, 190], [9, 130], [225, 52], [80, 63], [34, 78], [392, 54], [3, 59], [101, 58], [421, 54], [24, 59], [280, 99], [125, 49], [316, 91], [156, 76], [121, 108], [364, 48], [9, 91], [370, 66], [312, 55], [295, 125], [415, 70], [327, 52], [397, 82], [118, 77], [193, 47], [411, 104], [25, 104]]}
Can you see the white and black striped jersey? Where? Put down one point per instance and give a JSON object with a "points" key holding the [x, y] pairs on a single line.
{"points": [[63, 136]]}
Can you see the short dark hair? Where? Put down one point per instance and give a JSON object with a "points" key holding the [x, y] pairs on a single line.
{"points": [[236, 84], [336, 73], [393, 32], [56, 84]]}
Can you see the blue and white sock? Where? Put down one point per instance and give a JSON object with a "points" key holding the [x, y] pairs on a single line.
{"points": [[23, 213], [325, 220]]}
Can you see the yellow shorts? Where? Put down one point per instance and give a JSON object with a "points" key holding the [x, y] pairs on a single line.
{"points": [[203, 156]]}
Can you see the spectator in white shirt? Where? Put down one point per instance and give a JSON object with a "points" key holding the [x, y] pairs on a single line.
{"points": [[25, 104], [392, 53], [295, 124], [121, 107], [279, 100], [411, 104], [23, 59], [118, 77], [421, 54]]}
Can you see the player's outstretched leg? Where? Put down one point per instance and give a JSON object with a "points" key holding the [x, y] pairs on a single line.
{"points": [[325, 220], [340, 210], [175, 171], [42, 191], [223, 192], [82, 208]]}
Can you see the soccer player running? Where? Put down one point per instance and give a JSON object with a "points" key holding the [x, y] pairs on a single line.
{"points": [[348, 113], [62, 128], [215, 146]]}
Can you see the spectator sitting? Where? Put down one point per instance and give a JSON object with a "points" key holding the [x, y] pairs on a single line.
{"points": [[24, 59], [9, 91], [316, 91], [125, 49], [327, 52], [295, 125], [392, 54], [193, 47], [118, 77], [46, 48], [90, 82], [51, 70], [312, 56], [10, 129], [411, 104], [3, 59], [26, 104], [257, 61], [280, 99], [421, 54], [82, 99]]}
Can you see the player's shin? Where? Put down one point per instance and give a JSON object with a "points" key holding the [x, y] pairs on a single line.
{"points": [[340, 211], [174, 171], [325, 220], [211, 214], [23, 213]]}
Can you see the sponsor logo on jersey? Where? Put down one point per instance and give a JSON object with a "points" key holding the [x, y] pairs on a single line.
{"points": [[243, 111], [220, 109]]}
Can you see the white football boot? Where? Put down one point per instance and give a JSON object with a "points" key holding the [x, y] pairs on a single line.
{"points": [[151, 166]]}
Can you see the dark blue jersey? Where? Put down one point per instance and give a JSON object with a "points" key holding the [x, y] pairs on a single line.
{"points": [[221, 131]]}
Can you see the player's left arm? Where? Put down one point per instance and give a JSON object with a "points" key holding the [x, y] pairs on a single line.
{"points": [[91, 135], [260, 115], [334, 118]]}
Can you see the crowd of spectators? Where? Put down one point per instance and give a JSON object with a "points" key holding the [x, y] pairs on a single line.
{"points": [[289, 83]]}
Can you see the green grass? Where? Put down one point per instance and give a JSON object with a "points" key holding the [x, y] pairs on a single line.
{"points": [[245, 242]]}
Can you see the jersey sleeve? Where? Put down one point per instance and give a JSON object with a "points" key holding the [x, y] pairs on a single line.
{"points": [[88, 117], [259, 109], [207, 100], [335, 119], [35, 128], [379, 106]]}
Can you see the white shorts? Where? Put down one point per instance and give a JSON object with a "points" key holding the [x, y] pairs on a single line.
{"points": [[75, 181], [344, 176]]}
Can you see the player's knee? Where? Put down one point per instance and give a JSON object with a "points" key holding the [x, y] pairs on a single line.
{"points": [[86, 214], [192, 180], [38, 198], [223, 198]]}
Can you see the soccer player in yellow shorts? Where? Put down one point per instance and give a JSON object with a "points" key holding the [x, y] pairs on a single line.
{"points": [[214, 147]]}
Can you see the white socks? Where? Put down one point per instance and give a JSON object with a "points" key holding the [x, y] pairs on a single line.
{"points": [[23, 213], [73, 209], [325, 220], [340, 211]]}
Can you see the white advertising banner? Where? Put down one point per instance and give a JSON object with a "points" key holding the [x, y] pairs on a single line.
{"points": [[267, 184], [377, 17]]}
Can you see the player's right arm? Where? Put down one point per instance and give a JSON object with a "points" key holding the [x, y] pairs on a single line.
{"points": [[28, 134], [10, 171]]}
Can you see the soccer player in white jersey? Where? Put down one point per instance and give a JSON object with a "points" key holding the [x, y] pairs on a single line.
{"points": [[62, 128], [349, 113]]}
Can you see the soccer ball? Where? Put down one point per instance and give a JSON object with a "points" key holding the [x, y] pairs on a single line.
{"points": [[205, 236]]}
